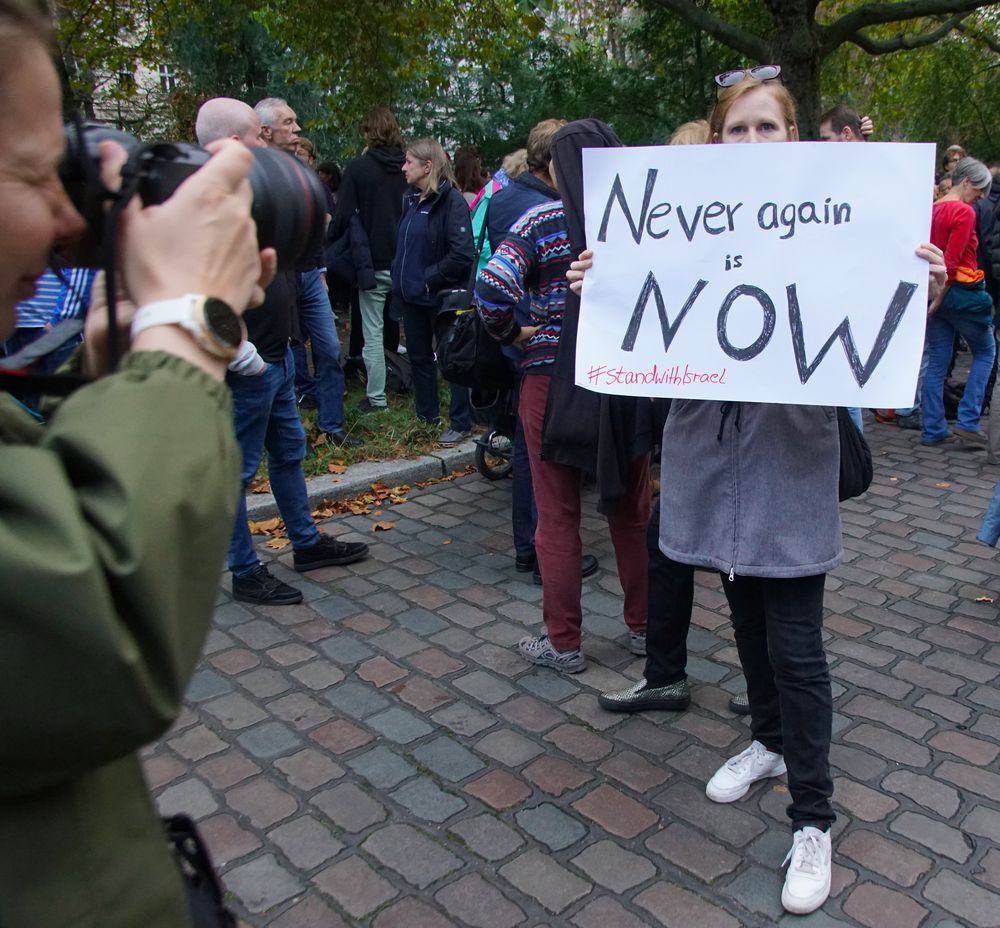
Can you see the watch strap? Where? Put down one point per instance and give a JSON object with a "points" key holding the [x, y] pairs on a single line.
{"points": [[186, 311]]}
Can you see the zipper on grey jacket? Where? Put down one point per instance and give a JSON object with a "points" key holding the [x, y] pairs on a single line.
{"points": [[724, 411]]}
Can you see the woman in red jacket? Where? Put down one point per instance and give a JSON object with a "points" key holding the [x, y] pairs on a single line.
{"points": [[965, 308]]}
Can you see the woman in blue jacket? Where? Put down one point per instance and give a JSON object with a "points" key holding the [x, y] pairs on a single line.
{"points": [[434, 252]]}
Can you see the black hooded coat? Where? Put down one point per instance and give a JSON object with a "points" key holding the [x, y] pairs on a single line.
{"points": [[598, 433]]}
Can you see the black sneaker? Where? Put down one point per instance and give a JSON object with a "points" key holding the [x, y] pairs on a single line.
{"points": [[263, 589], [524, 563], [343, 440], [366, 405], [588, 567], [328, 552]]}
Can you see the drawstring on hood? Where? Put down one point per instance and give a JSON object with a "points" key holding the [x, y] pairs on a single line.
{"points": [[724, 410]]}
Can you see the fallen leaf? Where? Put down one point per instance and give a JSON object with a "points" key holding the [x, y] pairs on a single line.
{"points": [[447, 541], [277, 543], [383, 526], [335, 468], [260, 485], [270, 525], [894, 479], [984, 599], [942, 485]]}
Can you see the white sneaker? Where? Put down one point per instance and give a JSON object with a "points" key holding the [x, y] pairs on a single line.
{"points": [[807, 882], [735, 777]]}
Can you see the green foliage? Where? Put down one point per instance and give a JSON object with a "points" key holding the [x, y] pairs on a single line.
{"points": [[485, 71], [945, 93]]}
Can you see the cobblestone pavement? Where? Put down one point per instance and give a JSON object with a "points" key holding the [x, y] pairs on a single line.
{"points": [[380, 756]]}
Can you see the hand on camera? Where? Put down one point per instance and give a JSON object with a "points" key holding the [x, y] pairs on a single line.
{"points": [[202, 240]]}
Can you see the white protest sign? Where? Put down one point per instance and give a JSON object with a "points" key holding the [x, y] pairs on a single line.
{"points": [[774, 273]]}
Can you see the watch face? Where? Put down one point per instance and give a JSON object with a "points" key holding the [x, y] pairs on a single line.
{"points": [[222, 322]]}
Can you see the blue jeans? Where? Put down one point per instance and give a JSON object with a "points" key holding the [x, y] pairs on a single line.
{"points": [[418, 323], [989, 531], [941, 329], [909, 410], [266, 418], [855, 413], [316, 319]]}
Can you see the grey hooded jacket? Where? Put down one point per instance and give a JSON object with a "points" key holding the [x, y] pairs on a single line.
{"points": [[751, 488]]}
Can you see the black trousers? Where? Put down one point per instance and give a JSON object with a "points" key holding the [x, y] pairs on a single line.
{"points": [[671, 597], [779, 636]]}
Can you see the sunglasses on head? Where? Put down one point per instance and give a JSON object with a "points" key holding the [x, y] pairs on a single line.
{"points": [[762, 72]]}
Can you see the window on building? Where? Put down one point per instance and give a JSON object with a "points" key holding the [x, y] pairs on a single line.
{"points": [[167, 78], [126, 79]]}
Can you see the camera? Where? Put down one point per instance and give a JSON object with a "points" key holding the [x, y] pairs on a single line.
{"points": [[289, 205]]}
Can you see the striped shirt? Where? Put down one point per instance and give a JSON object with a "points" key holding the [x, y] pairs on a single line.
{"points": [[55, 301], [535, 258]]}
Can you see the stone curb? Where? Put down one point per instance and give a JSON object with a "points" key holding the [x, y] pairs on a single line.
{"points": [[358, 478]]}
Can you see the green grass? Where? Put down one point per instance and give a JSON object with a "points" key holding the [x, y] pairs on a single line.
{"points": [[389, 435]]}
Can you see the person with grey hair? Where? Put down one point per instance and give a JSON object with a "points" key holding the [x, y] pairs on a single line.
{"points": [[265, 418], [964, 308], [279, 128], [224, 117]]}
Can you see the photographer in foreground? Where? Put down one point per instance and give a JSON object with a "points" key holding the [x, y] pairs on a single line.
{"points": [[113, 519]]}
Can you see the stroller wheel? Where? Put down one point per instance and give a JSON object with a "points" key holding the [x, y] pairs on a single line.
{"points": [[494, 455]]}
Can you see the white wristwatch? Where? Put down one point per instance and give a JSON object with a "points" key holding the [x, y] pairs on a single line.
{"points": [[212, 322]]}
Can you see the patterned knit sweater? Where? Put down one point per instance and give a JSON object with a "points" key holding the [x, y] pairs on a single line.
{"points": [[534, 257]]}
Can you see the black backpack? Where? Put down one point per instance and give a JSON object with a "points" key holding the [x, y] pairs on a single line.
{"points": [[398, 372]]}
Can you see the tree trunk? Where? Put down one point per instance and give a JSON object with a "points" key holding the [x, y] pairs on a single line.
{"points": [[797, 49]]}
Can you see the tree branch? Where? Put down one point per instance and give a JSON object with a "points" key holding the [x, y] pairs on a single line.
{"points": [[908, 41], [753, 46], [850, 25], [991, 43]]}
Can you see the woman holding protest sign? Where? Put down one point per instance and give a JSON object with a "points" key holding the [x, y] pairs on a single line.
{"points": [[751, 490]]}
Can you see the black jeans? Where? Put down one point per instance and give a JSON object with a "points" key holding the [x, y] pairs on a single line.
{"points": [[671, 597], [418, 323], [779, 635]]}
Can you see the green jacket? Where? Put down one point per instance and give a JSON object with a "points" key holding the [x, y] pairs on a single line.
{"points": [[113, 524]]}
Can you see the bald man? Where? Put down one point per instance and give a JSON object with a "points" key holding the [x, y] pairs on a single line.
{"points": [[265, 415], [226, 118]]}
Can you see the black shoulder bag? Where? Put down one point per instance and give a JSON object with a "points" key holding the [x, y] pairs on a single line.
{"points": [[856, 469], [201, 883], [466, 353]]}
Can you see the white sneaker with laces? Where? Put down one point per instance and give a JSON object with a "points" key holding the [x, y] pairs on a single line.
{"points": [[807, 882], [735, 777]]}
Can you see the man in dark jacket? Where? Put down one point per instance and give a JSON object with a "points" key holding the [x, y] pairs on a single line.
{"points": [[280, 130], [986, 221], [265, 418], [372, 187]]}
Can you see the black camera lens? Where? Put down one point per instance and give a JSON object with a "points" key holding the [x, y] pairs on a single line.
{"points": [[289, 205]]}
